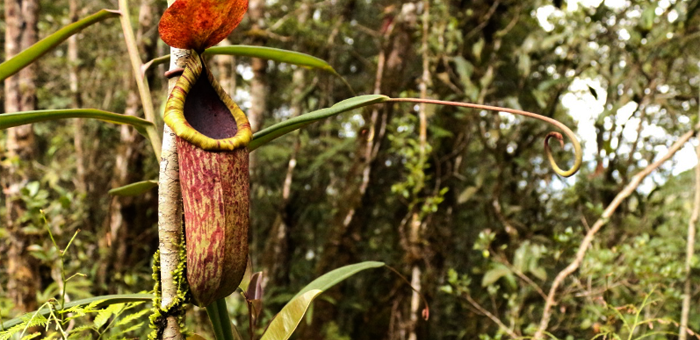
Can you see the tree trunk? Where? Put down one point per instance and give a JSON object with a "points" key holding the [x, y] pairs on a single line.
{"points": [[339, 248], [258, 85], [20, 95], [76, 102], [277, 256]]}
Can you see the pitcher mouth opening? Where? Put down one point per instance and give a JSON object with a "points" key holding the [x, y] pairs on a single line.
{"points": [[200, 112], [207, 113]]}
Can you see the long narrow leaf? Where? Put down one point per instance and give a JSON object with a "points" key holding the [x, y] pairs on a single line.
{"points": [[34, 52], [101, 301], [333, 277], [134, 189], [284, 324], [269, 53], [266, 135], [283, 56], [9, 120]]}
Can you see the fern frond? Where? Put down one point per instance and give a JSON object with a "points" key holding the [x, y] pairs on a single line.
{"points": [[104, 315], [125, 331], [131, 317], [32, 336]]}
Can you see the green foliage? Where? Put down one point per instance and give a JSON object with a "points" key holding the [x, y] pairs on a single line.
{"points": [[58, 317], [493, 214]]}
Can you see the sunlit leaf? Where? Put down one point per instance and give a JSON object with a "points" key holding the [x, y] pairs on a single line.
{"points": [[134, 189], [198, 24], [34, 52], [8, 120], [266, 135], [284, 324]]}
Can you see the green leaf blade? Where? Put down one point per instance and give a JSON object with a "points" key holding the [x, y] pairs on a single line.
{"points": [[34, 52], [134, 189], [287, 321], [273, 132], [269, 53], [8, 120], [284, 324]]}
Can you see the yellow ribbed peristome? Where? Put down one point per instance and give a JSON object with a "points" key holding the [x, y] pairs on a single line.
{"points": [[174, 114]]}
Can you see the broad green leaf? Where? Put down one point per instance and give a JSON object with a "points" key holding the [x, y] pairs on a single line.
{"points": [[494, 274], [284, 324], [134, 189], [8, 120], [98, 301], [266, 135], [283, 56], [34, 52], [330, 279]]}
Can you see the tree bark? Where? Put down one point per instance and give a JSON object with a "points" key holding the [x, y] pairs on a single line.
{"points": [[690, 251], [339, 248], [417, 226], [276, 257], [20, 95], [258, 85], [76, 102]]}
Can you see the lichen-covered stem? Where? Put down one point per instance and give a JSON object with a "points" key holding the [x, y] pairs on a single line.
{"points": [[169, 227], [170, 214]]}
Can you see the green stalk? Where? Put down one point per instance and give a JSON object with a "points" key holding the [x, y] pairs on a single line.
{"points": [[223, 317], [141, 83], [213, 312]]}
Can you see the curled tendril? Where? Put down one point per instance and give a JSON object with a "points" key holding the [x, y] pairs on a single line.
{"points": [[570, 134]]}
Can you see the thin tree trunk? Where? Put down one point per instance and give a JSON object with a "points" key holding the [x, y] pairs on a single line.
{"points": [[339, 245], [690, 250], [225, 64], [20, 95], [258, 85], [122, 222], [276, 257], [416, 224], [389, 78], [76, 102]]}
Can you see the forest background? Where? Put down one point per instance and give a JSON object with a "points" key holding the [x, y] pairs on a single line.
{"points": [[461, 202]]}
